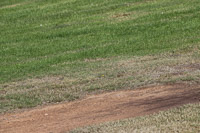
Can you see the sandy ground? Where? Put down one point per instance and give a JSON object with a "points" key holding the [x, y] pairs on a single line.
{"points": [[99, 108]]}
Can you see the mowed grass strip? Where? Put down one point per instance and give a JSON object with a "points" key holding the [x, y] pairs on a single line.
{"points": [[38, 35]]}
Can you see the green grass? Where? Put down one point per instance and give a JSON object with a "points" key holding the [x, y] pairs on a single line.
{"points": [[58, 50], [38, 35], [185, 119], [62, 50]]}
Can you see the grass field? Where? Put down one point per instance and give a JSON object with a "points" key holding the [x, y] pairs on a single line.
{"points": [[38, 35], [61, 50]]}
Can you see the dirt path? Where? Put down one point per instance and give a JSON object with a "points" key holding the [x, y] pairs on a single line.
{"points": [[99, 108]]}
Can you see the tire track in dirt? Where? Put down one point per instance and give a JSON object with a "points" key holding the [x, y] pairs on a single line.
{"points": [[99, 108]]}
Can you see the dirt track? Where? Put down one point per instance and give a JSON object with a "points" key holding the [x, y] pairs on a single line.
{"points": [[99, 108]]}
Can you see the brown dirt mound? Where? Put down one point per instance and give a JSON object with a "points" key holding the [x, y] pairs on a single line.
{"points": [[99, 108]]}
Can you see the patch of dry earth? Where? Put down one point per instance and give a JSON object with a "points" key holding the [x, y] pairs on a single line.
{"points": [[99, 108]]}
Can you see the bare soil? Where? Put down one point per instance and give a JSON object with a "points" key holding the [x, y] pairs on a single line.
{"points": [[99, 108]]}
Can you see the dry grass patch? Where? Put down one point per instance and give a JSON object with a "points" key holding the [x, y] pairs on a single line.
{"points": [[96, 76], [185, 119]]}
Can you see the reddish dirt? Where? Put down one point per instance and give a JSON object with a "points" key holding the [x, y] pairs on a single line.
{"points": [[99, 108]]}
